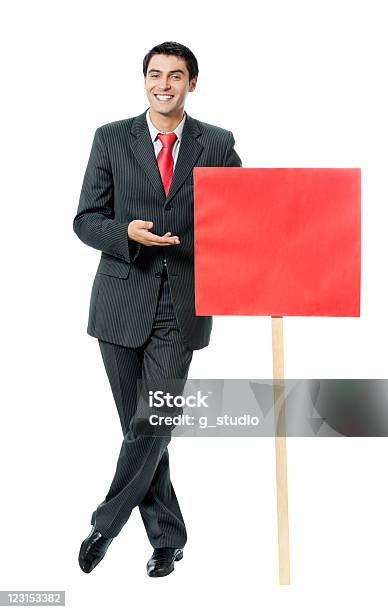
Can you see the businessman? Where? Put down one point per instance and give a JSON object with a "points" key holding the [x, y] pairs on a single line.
{"points": [[136, 207]]}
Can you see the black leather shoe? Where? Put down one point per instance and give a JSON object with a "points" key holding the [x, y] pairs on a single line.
{"points": [[162, 561], [92, 550]]}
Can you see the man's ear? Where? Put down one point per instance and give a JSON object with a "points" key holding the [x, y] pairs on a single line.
{"points": [[193, 84]]}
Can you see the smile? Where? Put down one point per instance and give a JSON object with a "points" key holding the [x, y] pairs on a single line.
{"points": [[163, 97]]}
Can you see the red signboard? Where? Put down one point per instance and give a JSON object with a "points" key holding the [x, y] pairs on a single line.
{"points": [[277, 241]]}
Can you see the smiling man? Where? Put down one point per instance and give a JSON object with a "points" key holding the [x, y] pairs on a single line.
{"points": [[136, 207]]}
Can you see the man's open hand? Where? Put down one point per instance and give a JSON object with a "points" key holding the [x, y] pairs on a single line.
{"points": [[138, 230]]}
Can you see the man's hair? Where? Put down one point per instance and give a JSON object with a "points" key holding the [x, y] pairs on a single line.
{"points": [[173, 48]]}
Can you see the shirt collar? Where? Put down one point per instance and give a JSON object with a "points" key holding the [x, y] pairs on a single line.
{"points": [[154, 131]]}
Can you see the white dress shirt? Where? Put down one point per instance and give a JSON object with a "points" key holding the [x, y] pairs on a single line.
{"points": [[156, 142]]}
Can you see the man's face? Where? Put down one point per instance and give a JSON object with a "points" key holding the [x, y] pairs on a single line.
{"points": [[167, 84]]}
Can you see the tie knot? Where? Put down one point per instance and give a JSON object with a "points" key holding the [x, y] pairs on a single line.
{"points": [[167, 140]]}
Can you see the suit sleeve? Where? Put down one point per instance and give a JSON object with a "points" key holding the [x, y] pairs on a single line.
{"points": [[231, 158], [95, 222]]}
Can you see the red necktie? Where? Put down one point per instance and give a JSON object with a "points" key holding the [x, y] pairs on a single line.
{"points": [[165, 159]]}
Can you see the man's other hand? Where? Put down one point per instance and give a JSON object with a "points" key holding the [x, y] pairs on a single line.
{"points": [[139, 231]]}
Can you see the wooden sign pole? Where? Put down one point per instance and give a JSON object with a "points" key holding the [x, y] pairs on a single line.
{"points": [[280, 450]]}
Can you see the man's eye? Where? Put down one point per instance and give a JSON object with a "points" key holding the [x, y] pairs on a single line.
{"points": [[176, 76]]}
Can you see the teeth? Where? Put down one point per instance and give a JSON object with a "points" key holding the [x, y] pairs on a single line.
{"points": [[163, 97]]}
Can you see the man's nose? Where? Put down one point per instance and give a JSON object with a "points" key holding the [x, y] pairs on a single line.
{"points": [[165, 84]]}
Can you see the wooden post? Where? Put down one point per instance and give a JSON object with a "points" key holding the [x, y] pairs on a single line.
{"points": [[280, 450]]}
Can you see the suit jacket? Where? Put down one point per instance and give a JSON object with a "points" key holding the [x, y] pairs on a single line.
{"points": [[122, 183]]}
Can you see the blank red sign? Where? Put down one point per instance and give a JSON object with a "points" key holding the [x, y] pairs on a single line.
{"points": [[277, 241]]}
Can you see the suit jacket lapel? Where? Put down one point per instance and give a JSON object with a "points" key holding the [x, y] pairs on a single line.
{"points": [[143, 149], [189, 151]]}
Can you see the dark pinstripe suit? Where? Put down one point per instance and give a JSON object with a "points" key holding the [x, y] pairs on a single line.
{"points": [[145, 322]]}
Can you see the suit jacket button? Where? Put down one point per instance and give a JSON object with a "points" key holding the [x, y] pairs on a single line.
{"points": [[167, 207]]}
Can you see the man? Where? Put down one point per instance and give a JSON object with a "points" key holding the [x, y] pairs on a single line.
{"points": [[136, 207]]}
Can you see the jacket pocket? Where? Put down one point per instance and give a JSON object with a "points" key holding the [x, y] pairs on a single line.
{"points": [[112, 266]]}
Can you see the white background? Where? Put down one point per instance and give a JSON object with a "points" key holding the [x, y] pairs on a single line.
{"points": [[299, 84]]}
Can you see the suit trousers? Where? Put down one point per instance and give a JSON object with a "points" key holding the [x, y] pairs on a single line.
{"points": [[142, 476]]}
